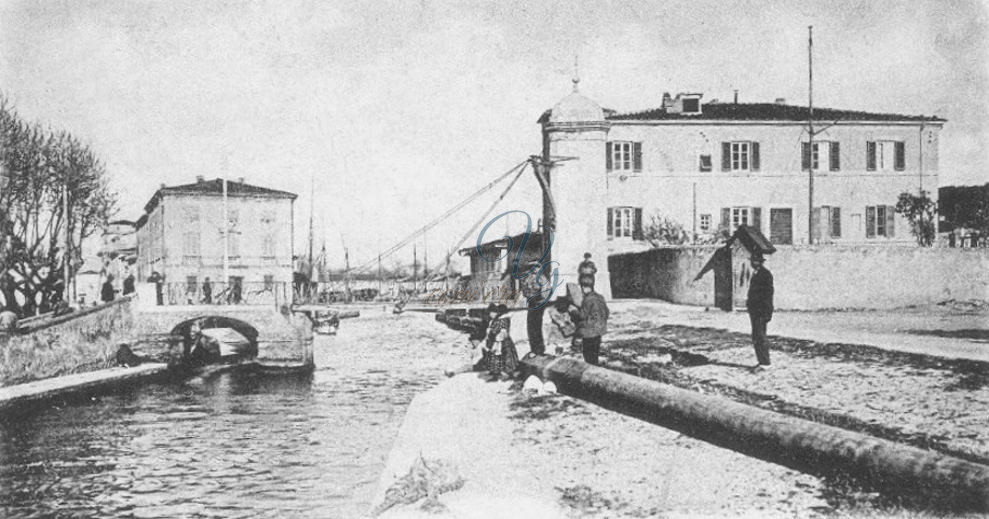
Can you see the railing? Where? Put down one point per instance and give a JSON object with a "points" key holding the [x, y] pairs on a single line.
{"points": [[244, 293]]}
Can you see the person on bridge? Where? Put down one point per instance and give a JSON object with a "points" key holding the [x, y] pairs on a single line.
{"points": [[207, 291], [760, 307], [592, 319]]}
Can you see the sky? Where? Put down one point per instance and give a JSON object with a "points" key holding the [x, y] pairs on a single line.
{"points": [[382, 115]]}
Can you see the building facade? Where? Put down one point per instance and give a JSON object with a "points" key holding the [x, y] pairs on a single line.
{"points": [[714, 166], [183, 237]]}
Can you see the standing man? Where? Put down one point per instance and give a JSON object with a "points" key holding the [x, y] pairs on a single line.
{"points": [[760, 307], [107, 293], [592, 319], [129, 284], [207, 291], [535, 287]]}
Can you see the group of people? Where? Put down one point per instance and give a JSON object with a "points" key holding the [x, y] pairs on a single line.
{"points": [[108, 292], [589, 313]]}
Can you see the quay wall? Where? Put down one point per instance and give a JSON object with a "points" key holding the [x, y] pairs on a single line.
{"points": [[75, 343], [815, 277]]}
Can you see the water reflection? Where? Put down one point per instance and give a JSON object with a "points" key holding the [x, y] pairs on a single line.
{"points": [[235, 445]]}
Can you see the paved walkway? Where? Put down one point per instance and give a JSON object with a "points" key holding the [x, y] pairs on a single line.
{"points": [[912, 330], [51, 387]]}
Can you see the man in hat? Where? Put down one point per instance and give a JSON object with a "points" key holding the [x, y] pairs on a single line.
{"points": [[760, 307], [591, 317]]}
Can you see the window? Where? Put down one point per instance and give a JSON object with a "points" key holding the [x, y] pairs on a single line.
{"points": [[825, 156], [625, 222], [192, 214], [269, 281], [233, 246], [190, 244], [268, 246], [827, 223], [879, 221], [705, 163], [740, 156], [191, 283], [781, 226], [624, 156], [233, 216], [885, 155], [705, 223], [691, 105], [733, 217]]}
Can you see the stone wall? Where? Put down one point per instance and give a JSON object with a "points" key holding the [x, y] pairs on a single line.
{"points": [[76, 343], [817, 277]]}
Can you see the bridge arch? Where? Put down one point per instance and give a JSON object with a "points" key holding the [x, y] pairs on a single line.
{"points": [[214, 322]]}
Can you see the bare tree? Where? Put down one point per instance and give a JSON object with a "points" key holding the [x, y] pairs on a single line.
{"points": [[40, 167]]}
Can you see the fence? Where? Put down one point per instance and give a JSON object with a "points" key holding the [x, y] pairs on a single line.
{"points": [[219, 293]]}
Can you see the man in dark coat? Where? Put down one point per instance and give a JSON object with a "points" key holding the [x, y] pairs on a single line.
{"points": [[592, 319], [760, 307], [536, 287], [129, 284], [207, 291], [107, 293]]}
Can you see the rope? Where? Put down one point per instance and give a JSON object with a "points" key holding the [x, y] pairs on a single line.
{"points": [[436, 221], [481, 219]]}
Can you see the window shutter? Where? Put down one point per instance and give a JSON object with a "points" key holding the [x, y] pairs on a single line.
{"points": [[805, 156], [836, 222], [607, 159], [757, 218], [816, 235], [611, 218], [725, 156], [870, 222], [637, 156], [755, 156], [870, 156], [637, 224], [835, 157], [900, 156], [726, 218], [890, 224]]}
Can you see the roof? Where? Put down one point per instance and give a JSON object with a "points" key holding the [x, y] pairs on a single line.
{"points": [[753, 240], [215, 188], [503, 243], [766, 112], [576, 108]]}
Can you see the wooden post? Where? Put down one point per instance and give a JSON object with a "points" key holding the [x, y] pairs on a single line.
{"points": [[807, 446]]}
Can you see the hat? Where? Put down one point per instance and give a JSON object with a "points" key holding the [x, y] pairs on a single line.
{"points": [[586, 281], [498, 309], [587, 255]]}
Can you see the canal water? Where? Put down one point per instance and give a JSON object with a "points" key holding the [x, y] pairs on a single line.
{"points": [[234, 445]]}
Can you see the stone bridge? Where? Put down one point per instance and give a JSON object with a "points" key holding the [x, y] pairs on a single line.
{"points": [[88, 339]]}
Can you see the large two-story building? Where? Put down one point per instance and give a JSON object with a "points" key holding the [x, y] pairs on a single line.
{"points": [[183, 236], [714, 166]]}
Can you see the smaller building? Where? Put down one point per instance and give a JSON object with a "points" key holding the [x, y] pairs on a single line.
{"points": [[118, 252], [492, 264]]}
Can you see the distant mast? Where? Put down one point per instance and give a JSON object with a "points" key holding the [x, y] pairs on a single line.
{"points": [[810, 134]]}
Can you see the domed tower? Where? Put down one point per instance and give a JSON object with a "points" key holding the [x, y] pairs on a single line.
{"points": [[574, 136]]}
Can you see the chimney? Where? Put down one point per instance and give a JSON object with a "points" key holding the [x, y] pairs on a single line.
{"points": [[667, 100], [240, 180], [200, 179], [736, 96], [162, 186], [781, 100]]}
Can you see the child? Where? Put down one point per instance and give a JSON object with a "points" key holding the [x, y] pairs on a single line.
{"points": [[499, 349], [592, 319]]}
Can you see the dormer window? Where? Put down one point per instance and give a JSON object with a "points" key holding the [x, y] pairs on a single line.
{"points": [[687, 104]]}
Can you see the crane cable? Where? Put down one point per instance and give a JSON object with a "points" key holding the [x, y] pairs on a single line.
{"points": [[436, 221], [481, 219]]}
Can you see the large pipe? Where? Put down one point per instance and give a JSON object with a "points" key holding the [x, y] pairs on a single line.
{"points": [[807, 446]]}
